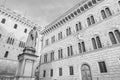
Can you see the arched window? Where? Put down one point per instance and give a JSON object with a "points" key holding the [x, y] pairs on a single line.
{"points": [[80, 47], [117, 34], [103, 14], [83, 47], [60, 53], [108, 12], [86, 72], [15, 26], [98, 42], [92, 20], [88, 21], [3, 21], [94, 43], [52, 56], [112, 38], [6, 54], [70, 50]]}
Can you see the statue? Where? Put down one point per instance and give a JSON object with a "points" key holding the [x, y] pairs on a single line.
{"points": [[31, 40]]}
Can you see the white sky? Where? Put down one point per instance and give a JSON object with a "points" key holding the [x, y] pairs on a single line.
{"points": [[41, 12]]}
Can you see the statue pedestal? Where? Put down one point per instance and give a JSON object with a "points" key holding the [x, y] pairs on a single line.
{"points": [[26, 64]]}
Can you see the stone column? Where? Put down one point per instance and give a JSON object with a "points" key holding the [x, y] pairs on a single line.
{"points": [[26, 67]]}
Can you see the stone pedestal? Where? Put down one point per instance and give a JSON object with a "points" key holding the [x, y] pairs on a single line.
{"points": [[26, 66]]}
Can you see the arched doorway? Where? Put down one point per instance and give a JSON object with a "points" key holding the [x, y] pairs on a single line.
{"points": [[86, 72]]}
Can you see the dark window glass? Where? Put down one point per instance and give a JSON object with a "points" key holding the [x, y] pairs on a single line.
{"points": [[82, 9], [71, 50], [102, 67], [77, 27], [103, 14], [92, 20], [0, 35], [71, 70], [88, 20], [25, 31], [83, 47], [117, 33], [78, 10], [94, 43], [108, 12], [51, 72], [3, 21], [52, 56], [15, 26], [44, 73], [68, 51], [79, 46], [98, 42], [86, 6], [6, 54], [75, 13], [60, 71], [112, 38]]}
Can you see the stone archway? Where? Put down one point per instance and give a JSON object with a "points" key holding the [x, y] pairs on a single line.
{"points": [[86, 72]]}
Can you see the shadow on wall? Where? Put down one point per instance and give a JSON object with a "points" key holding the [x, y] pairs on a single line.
{"points": [[8, 67]]}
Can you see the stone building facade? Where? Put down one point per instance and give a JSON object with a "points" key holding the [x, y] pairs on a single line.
{"points": [[14, 30], [83, 43]]}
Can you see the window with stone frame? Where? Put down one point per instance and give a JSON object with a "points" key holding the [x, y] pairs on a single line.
{"points": [[51, 72], [114, 36], [96, 42], [102, 67], [106, 13], [71, 70], [44, 73], [78, 26], [52, 56], [70, 50], [60, 71], [81, 47], [60, 53]]}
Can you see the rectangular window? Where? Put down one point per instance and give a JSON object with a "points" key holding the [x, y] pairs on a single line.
{"points": [[44, 73], [102, 67], [60, 54], [51, 73], [60, 71], [71, 70]]}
